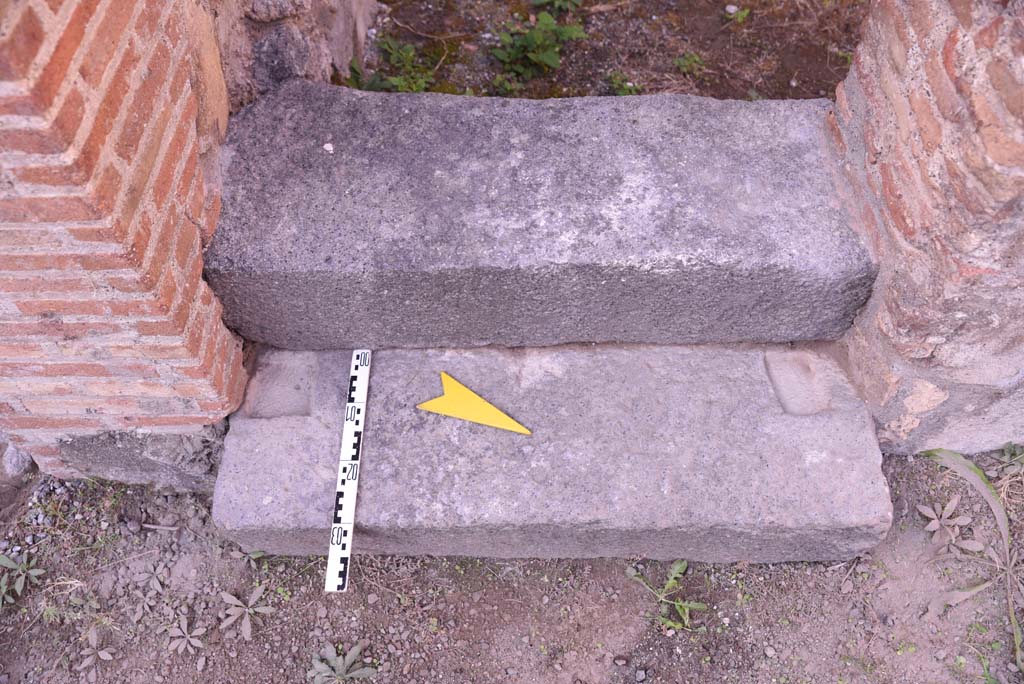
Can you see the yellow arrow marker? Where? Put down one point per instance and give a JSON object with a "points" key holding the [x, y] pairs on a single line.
{"points": [[458, 401]]}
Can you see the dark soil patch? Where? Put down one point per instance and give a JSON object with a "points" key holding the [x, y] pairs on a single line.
{"points": [[458, 621], [782, 49]]}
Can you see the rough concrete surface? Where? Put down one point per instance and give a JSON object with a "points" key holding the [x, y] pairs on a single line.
{"points": [[707, 453], [389, 220], [181, 462]]}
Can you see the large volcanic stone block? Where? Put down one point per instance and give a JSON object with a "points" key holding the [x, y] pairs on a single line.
{"points": [[389, 220], [706, 453]]}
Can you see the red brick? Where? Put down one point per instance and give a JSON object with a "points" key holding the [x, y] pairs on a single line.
{"points": [[55, 422], [61, 307], [196, 201], [55, 328], [922, 20], [69, 118], [108, 110], [173, 153], [962, 9], [107, 232], [52, 76], [144, 163], [106, 40], [106, 190], [53, 370], [21, 46], [158, 253], [211, 217], [897, 102], [62, 174], [21, 351], [1010, 91], [893, 29], [182, 74], [946, 99], [173, 25], [30, 141], [843, 103], [188, 175], [77, 406], [14, 262], [38, 284], [143, 101], [33, 239], [129, 388], [149, 18], [835, 133], [165, 421], [47, 209], [949, 59], [927, 125], [963, 194], [988, 36], [894, 201]]}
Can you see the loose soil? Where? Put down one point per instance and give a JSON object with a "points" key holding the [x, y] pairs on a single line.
{"points": [[782, 49], [129, 563]]}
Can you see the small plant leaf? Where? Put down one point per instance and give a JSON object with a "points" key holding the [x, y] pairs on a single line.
{"points": [[951, 598], [228, 598], [362, 673], [976, 478], [951, 506], [352, 656]]}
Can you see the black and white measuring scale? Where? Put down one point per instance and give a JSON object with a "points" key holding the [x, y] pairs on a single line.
{"points": [[340, 550]]}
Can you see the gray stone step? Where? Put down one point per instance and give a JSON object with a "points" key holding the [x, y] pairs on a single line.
{"points": [[442, 221], [707, 453]]}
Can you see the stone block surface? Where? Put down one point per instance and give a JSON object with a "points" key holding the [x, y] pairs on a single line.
{"points": [[395, 220], [708, 453], [184, 462]]}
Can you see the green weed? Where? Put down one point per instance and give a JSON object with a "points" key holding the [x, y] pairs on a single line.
{"points": [[622, 85], [691, 64], [558, 6], [17, 576], [414, 75], [328, 667], [527, 52], [667, 599]]}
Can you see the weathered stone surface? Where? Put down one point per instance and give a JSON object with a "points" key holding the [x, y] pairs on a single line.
{"points": [[181, 462], [14, 462], [710, 453], [274, 10], [255, 52], [441, 221]]}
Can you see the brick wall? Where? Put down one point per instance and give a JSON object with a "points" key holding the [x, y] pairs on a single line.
{"points": [[109, 112], [929, 135]]}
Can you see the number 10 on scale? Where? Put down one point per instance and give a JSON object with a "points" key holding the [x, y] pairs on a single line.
{"points": [[343, 520]]}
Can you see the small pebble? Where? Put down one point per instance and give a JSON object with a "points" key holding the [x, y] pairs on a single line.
{"points": [[372, 598], [329, 148], [769, 652], [731, 9], [641, 675]]}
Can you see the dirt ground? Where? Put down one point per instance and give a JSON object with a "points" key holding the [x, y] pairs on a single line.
{"points": [[127, 564], [780, 49]]}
